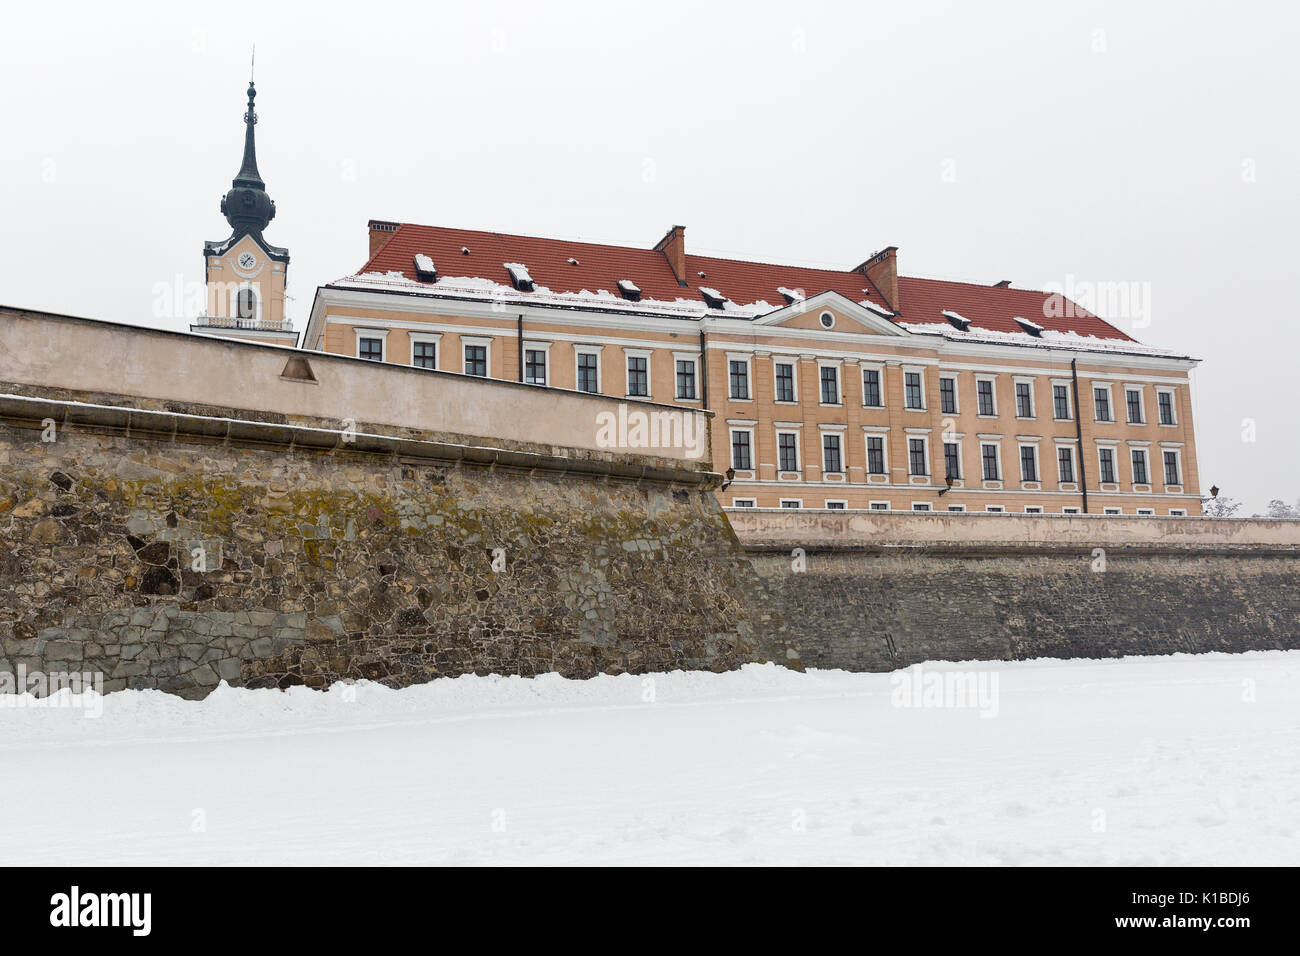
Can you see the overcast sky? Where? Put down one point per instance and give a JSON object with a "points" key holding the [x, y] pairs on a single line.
{"points": [[1099, 145]]}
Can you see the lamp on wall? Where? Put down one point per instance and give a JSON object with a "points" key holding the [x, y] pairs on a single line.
{"points": [[731, 476], [1214, 491], [948, 485]]}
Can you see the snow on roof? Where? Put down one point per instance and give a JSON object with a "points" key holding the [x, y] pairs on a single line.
{"points": [[424, 266], [791, 295], [1033, 328], [1050, 338], [519, 276], [713, 297], [960, 321], [880, 310], [627, 285]]}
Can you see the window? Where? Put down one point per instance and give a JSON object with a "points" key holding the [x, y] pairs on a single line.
{"points": [[1061, 403], [1064, 463], [424, 354], [1140, 476], [1024, 400], [920, 506], [638, 375], [1071, 510], [832, 461], [1101, 403], [785, 382], [1178, 512], [1106, 461], [871, 388], [1165, 404], [738, 376], [951, 460], [880, 506], [836, 505], [948, 396], [588, 372], [1033, 509], [1146, 511], [984, 397], [875, 455], [960, 508], [476, 360], [830, 378], [912, 395], [787, 451], [535, 366], [743, 503], [827, 320], [916, 457], [1028, 463], [989, 459], [1112, 511], [994, 509], [371, 349], [742, 458], [1133, 399], [246, 305], [791, 502], [686, 380], [1171, 468]]}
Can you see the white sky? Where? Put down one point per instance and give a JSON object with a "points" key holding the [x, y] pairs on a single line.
{"points": [[1098, 143]]}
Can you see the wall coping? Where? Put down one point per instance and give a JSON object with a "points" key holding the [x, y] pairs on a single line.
{"points": [[27, 411], [776, 529]]}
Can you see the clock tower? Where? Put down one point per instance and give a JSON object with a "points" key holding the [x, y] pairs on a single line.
{"points": [[246, 275]]}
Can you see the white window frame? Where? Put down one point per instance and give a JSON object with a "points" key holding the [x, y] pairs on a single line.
{"points": [[871, 506], [1033, 509], [1071, 510], [879, 369], [995, 509], [1074, 463], [694, 359], [545, 349], [1001, 473], [922, 506], [749, 502], [648, 355], [793, 362], [731, 451], [883, 434], [1069, 398], [837, 501], [957, 509], [1110, 403], [1114, 464], [747, 359], [956, 393], [1112, 511], [486, 342], [1142, 403], [1173, 404], [946, 440], [1178, 512], [781, 503], [993, 392], [1033, 400], [580, 350], [424, 338], [1132, 471], [798, 451], [836, 364], [1020, 463], [918, 370], [925, 440], [1178, 452], [821, 443], [381, 334], [1149, 512]]}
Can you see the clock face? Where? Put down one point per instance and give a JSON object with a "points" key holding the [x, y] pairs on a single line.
{"points": [[247, 260]]}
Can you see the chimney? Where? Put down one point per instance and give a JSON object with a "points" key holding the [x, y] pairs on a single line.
{"points": [[673, 246], [380, 233], [882, 270]]}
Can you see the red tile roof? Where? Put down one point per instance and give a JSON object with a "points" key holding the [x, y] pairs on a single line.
{"points": [[600, 267]]}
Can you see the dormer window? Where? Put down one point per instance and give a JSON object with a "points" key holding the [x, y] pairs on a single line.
{"points": [[425, 270], [712, 297], [519, 276], [958, 321], [791, 296], [1033, 328], [573, 261], [628, 290]]}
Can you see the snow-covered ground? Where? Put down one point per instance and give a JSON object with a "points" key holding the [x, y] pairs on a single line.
{"points": [[1168, 760]]}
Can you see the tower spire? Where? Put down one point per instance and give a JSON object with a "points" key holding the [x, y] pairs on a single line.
{"points": [[246, 206]]}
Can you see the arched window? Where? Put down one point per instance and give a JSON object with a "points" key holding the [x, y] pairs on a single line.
{"points": [[245, 304]]}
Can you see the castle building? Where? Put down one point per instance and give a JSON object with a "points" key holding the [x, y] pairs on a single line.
{"points": [[246, 276], [857, 388]]}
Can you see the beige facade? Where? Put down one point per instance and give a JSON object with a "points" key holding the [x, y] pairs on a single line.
{"points": [[828, 440], [246, 295]]}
